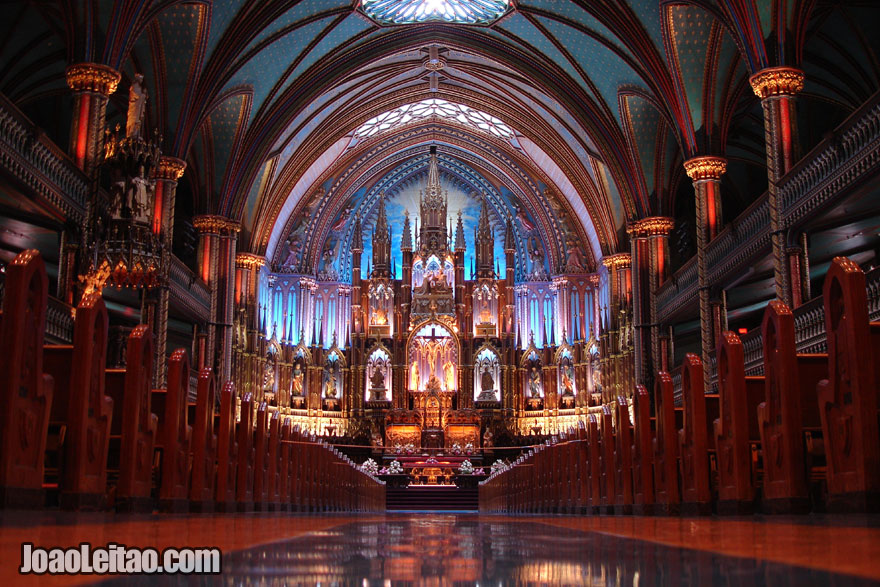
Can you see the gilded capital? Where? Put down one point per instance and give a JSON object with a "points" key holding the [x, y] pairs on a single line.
{"points": [[652, 226], [617, 261], [249, 261], [215, 224], [777, 81], [92, 77], [705, 167], [170, 168]]}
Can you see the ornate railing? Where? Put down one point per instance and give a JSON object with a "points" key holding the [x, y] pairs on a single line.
{"points": [[188, 290], [826, 173], [59, 322], [28, 154]]}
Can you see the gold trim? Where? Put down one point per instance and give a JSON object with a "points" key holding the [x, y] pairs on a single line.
{"points": [[652, 226], [215, 224], [708, 167], [92, 77], [777, 81], [249, 261], [617, 261], [170, 168]]}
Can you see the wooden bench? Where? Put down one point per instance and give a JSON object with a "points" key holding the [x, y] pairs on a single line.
{"points": [[642, 453], [623, 483], [736, 429], [693, 440], [666, 485], [25, 390], [227, 451], [848, 398], [204, 445]]}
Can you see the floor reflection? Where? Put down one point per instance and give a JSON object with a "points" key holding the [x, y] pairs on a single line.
{"points": [[461, 550]]}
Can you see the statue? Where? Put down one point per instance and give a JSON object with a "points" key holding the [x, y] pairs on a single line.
{"points": [[330, 384], [296, 384], [137, 101], [534, 383], [140, 204], [487, 438], [343, 218], [294, 247], [449, 372], [567, 384], [487, 382], [575, 262], [414, 376], [378, 378]]}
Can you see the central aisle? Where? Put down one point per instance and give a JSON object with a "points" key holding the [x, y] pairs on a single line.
{"points": [[466, 549]]}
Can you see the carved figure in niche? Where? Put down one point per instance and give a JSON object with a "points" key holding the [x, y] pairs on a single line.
{"points": [[378, 318], [534, 382], [340, 224], [487, 382], [575, 261], [414, 376], [296, 383], [527, 226], [137, 101], [269, 376], [488, 438], [330, 385], [449, 372], [567, 382], [536, 255], [294, 248], [140, 204], [378, 378]]}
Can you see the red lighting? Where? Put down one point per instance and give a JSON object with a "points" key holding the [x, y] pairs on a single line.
{"points": [[742, 330]]}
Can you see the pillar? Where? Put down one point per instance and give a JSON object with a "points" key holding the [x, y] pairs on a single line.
{"points": [[216, 254], [777, 88], [649, 241], [92, 84], [705, 172]]}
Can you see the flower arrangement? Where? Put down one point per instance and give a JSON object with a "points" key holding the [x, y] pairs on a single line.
{"points": [[395, 468], [466, 468], [431, 461], [499, 466], [469, 448], [410, 448], [456, 449], [370, 467], [480, 471]]}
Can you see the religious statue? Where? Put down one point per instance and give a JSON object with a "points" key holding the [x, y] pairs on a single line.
{"points": [[294, 247], [574, 262], [567, 384], [378, 318], [534, 382], [449, 372], [488, 438], [139, 197], [343, 218], [137, 101], [414, 376], [296, 383], [378, 378], [487, 382], [330, 385]]}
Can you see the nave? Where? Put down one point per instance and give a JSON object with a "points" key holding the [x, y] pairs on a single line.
{"points": [[467, 549]]}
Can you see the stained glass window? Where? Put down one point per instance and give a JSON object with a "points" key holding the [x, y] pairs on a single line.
{"points": [[416, 11], [434, 107]]}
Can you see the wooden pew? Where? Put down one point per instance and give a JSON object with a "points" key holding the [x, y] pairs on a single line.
{"points": [[595, 465], [174, 435], [80, 410], [244, 482], [25, 390], [693, 440], [642, 454], [287, 467], [204, 445], [736, 428], [788, 408], [261, 458], [227, 451], [275, 480], [609, 469], [666, 487], [848, 397], [582, 499], [138, 425], [623, 501]]}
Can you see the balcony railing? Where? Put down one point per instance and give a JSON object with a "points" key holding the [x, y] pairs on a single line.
{"points": [[833, 167], [189, 291], [27, 154]]}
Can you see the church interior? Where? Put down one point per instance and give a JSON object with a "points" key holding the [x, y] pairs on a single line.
{"points": [[444, 291]]}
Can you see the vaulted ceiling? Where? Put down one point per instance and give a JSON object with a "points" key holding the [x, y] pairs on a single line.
{"points": [[605, 98]]}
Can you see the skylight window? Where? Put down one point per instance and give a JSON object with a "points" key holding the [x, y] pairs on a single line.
{"points": [[452, 11], [434, 107]]}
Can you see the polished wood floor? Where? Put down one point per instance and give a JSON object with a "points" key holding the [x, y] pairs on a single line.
{"points": [[441, 549]]}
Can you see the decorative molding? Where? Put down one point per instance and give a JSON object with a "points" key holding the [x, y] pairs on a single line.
{"points": [[215, 224], [653, 226], [617, 261], [170, 168], [92, 77], [777, 81], [703, 168], [249, 261]]}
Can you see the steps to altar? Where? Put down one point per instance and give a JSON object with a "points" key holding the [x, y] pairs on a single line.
{"points": [[432, 498]]}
